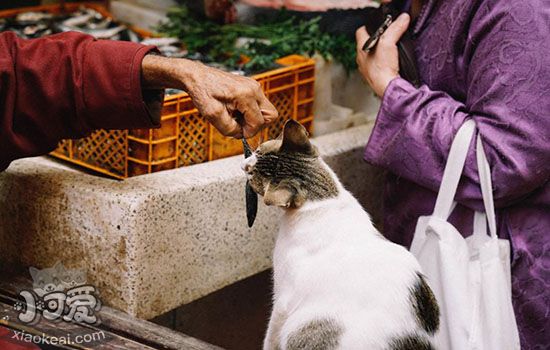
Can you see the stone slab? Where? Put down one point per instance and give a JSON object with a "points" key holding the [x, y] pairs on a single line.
{"points": [[155, 242]]}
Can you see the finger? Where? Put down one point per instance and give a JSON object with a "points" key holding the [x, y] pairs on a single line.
{"points": [[361, 37], [253, 118], [225, 124], [396, 30], [268, 110]]}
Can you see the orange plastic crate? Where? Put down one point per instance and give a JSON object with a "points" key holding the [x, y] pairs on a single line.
{"points": [[184, 137]]}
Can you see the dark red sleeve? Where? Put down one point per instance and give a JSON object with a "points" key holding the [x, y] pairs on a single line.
{"points": [[65, 86]]}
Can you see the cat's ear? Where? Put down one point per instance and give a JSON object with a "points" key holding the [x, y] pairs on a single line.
{"points": [[284, 194], [34, 272], [295, 139], [58, 267]]}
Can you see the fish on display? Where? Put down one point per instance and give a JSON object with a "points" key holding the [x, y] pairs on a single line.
{"points": [[77, 20], [32, 17], [36, 31], [93, 23], [37, 24], [169, 47], [160, 41]]}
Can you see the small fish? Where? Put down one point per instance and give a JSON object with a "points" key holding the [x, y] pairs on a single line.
{"points": [[105, 33], [251, 196], [77, 21], [33, 30], [160, 41], [102, 24], [108, 33], [31, 17]]}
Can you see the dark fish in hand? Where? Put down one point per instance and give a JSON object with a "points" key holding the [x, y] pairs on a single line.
{"points": [[251, 196]]}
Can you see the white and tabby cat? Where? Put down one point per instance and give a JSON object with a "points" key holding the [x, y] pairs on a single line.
{"points": [[338, 283]]}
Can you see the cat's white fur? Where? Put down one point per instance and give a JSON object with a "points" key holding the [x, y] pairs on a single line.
{"points": [[330, 262]]}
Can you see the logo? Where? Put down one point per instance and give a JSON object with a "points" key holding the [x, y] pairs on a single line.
{"points": [[58, 294]]}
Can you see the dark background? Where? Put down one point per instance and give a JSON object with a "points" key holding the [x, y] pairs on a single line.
{"points": [[5, 5]]}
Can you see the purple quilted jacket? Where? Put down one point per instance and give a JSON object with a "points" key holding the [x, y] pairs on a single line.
{"points": [[488, 60]]}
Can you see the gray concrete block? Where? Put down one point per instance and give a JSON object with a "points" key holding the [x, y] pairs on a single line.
{"points": [[155, 242]]}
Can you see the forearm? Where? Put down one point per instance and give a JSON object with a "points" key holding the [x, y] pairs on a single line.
{"points": [[160, 72]]}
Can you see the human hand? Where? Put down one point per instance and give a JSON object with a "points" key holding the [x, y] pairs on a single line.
{"points": [[381, 66], [218, 95]]}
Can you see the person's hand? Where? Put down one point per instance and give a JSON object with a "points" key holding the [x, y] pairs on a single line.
{"points": [[219, 96], [381, 66]]}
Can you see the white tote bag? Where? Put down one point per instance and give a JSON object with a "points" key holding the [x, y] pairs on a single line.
{"points": [[470, 277]]}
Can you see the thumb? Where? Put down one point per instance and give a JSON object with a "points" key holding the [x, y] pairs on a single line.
{"points": [[396, 29]]}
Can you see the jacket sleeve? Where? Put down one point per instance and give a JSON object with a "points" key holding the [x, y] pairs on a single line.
{"points": [[67, 85], [508, 93]]}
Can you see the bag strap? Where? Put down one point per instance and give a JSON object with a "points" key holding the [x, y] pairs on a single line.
{"points": [[486, 192], [480, 224], [451, 177], [453, 170]]}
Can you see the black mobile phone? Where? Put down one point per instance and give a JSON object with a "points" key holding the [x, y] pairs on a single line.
{"points": [[370, 44], [377, 22]]}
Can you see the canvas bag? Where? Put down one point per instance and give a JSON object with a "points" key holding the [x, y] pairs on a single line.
{"points": [[470, 277]]}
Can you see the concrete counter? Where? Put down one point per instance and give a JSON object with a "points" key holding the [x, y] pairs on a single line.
{"points": [[154, 242]]}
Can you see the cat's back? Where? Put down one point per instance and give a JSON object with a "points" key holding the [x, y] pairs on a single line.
{"points": [[333, 262]]}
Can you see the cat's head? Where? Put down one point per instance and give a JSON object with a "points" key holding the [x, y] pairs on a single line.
{"points": [[47, 280], [288, 171]]}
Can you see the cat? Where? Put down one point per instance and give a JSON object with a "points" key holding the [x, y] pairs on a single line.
{"points": [[56, 279], [47, 280], [338, 283]]}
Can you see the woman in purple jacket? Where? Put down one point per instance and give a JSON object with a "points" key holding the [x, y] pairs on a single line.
{"points": [[486, 60]]}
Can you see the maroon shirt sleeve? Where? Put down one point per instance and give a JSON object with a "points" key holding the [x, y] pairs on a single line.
{"points": [[65, 86]]}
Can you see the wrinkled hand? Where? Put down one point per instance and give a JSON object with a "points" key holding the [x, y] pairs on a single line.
{"points": [[219, 96], [381, 66]]}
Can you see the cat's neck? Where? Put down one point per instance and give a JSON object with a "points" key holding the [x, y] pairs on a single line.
{"points": [[343, 199], [332, 208], [318, 223], [341, 195]]}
